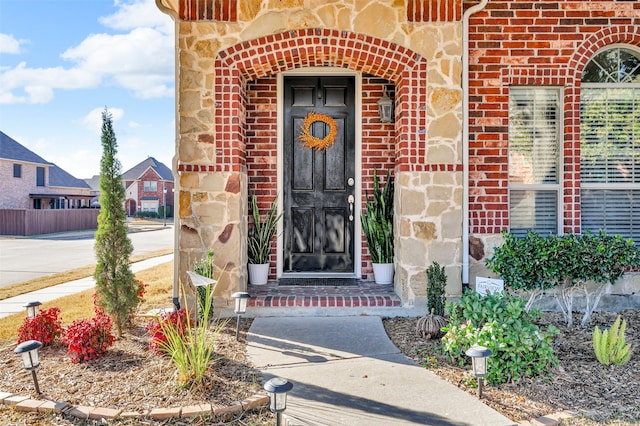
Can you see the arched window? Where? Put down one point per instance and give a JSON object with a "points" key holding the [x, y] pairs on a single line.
{"points": [[610, 143]]}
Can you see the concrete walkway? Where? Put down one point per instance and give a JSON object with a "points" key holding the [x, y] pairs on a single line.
{"points": [[346, 372], [15, 304]]}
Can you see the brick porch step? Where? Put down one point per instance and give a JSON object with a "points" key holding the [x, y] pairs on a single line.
{"points": [[364, 294]]}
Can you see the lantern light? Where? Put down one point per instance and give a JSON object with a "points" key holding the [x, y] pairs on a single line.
{"points": [[30, 359], [479, 355], [32, 309], [385, 108], [277, 389], [241, 298]]}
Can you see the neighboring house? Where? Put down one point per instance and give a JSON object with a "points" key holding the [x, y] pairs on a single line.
{"points": [[27, 181], [149, 186], [94, 184], [509, 115]]}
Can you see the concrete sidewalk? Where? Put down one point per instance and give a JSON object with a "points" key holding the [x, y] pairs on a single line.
{"points": [[15, 304], [346, 372]]}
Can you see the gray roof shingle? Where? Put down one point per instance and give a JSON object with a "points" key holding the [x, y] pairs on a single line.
{"points": [[138, 170], [12, 150], [58, 177]]}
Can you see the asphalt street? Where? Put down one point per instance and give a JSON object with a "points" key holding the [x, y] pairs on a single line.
{"points": [[26, 258]]}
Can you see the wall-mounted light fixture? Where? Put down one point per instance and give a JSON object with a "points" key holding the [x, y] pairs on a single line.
{"points": [[385, 107]]}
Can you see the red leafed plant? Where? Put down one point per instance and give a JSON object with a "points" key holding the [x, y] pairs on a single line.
{"points": [[156, 331], [89, 339], [142, 289], [45, 327]]}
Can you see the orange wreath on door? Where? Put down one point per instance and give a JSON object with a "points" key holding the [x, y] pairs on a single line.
{"points": [[311, 141]]}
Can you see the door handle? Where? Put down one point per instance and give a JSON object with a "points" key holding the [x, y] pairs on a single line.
{"points": [[351, 200]]}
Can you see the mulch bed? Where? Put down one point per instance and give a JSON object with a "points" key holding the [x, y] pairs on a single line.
{"points": [[596, 393], [133, 378]]}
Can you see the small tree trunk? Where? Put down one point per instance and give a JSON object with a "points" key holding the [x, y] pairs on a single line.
{"points": [[533, 297], [590, 307]]}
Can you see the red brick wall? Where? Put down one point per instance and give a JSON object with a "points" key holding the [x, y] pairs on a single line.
{"points": [[207, 10], [378, 146], [151, 176], [378, 143], [434, 10], [262, 140], [525, 42], [252, 60]]}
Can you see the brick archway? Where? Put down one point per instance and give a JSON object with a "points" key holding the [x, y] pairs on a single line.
{"points": [[272, 54]]}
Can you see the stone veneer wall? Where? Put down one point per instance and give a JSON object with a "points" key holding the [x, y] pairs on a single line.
{"points": [[219, 61]]}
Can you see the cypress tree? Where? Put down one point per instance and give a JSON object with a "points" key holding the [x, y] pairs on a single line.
{"points": [[116, 287]]}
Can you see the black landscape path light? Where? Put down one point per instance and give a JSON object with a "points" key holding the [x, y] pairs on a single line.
{"points": [[479, 355], [32, 309], [241, 306], [277, 389], [30, 360]]}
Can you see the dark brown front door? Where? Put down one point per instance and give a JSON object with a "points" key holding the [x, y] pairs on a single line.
{"points": [[319, 185]]}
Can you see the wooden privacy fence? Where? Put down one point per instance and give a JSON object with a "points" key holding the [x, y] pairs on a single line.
{"points": [[33, 222]]}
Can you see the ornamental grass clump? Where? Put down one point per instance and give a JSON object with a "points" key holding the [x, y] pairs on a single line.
{"points": [[610, 345], [190, 343], [500, 323], [206, 268]]}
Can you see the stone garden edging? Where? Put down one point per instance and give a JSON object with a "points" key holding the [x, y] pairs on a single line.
{"points": [[28, 404]]}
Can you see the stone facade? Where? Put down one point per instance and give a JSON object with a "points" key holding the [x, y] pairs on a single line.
{"points": [[231, 54], [225, 149]]}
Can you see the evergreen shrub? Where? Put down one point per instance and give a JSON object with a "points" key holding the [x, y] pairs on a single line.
{"points": [[500, 323]]}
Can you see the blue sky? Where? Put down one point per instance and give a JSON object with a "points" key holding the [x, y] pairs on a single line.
{"points": [[63, 61]]}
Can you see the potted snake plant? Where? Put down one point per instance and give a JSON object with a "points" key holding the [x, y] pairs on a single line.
{"points": [[377, 226], [260, 240]]}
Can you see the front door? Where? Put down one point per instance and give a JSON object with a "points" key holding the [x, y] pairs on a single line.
{"points": [[319, 183]]}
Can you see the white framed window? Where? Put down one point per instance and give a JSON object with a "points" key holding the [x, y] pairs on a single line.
{"points": [[610, 143], [535, 163], [150, 186]]}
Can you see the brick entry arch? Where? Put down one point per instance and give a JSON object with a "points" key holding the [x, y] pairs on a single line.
{"points": [[272, 54]]}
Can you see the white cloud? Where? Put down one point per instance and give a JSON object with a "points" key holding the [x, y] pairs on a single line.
{"points": [[36, 85], [81, 163], [93, 120], [140, 60], [134, 14], [10, 45]]}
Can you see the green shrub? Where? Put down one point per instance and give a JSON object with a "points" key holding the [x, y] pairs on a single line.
{"points": [[527, 264], [571, 263], [436, 284], [500, 323], [610, 346]]}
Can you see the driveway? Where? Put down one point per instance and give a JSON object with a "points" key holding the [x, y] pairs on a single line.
{"points": [[26, 258]]}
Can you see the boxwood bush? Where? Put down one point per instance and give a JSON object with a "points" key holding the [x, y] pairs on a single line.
{"points": [[502, 324]]}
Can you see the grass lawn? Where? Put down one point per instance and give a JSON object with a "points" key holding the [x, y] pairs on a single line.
{"points": [[80, 305]]}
